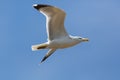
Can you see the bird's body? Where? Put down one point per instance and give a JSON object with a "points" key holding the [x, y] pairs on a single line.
{"points": [[63, 42], [59, 43], [57, 36]]}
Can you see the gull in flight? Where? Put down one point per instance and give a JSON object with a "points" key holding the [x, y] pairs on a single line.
{"points": [[58, 38]]}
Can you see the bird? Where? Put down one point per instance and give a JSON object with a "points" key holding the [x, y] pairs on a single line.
{"points": [[58, 38]]}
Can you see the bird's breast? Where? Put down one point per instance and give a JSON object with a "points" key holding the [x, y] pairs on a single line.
{"points": [[62, 43]]}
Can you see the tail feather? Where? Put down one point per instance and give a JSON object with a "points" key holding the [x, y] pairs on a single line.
{"points": [[39, 46]]}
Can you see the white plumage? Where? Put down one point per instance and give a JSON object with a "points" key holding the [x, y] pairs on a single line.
{"points": [[57, 35]]}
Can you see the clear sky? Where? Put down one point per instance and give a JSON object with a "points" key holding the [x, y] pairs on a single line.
{"points": [[22, 26]]}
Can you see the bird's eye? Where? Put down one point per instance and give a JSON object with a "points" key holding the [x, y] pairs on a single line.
{"points": [[80, 38]]}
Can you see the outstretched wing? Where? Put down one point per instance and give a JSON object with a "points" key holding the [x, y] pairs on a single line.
{"points": [[54, 20], [50, 52]]}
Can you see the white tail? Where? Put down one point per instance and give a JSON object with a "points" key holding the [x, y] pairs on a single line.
{"points": [[39, 46]]}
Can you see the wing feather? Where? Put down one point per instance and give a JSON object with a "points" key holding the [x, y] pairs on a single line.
{"points": [[54, 20], [49, 53]]}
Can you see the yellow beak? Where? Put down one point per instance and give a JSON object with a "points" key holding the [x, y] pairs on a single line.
{"points": [[85, 39]]}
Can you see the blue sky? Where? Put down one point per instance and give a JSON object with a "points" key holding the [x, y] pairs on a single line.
{"points": [[22, 26]]}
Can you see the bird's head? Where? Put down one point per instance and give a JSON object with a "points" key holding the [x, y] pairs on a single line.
{"points": [[83, 39], [80, 39]]}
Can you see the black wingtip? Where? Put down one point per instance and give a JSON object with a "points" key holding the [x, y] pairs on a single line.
{"points": [[38, 6], [44, 59]]}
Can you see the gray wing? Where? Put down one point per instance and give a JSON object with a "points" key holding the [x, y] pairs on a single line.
{"points": [[54, 20]]}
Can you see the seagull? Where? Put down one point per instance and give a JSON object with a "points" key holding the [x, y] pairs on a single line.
{"points": [[58, 38]]}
